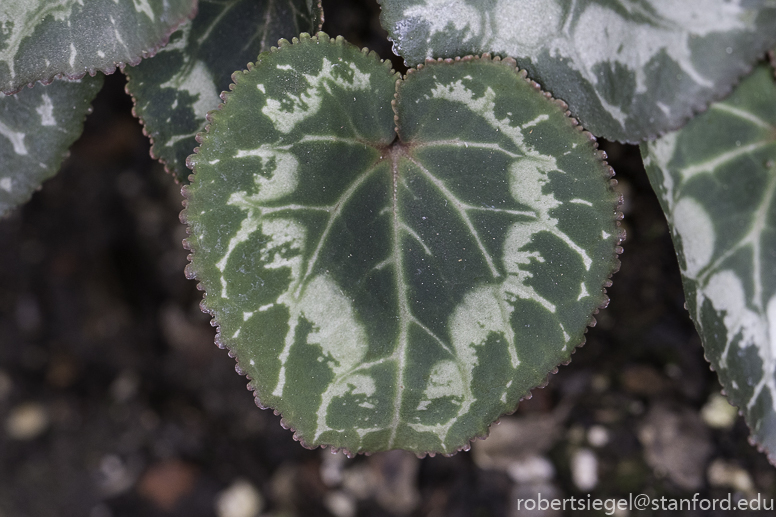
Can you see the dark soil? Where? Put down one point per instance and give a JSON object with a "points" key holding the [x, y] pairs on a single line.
{"points": [[101, 335]]}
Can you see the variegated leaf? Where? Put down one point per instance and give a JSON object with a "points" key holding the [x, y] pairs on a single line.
{"points": [[628, 69], [396, 292], [174, 91], [716, 180], [37, 127], [43, 39]]}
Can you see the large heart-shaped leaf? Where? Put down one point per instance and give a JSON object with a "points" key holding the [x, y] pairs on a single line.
{"points": [[43, 39], [37, 127], [174, 91], [396, 292], [628, 70], [716, 180]]}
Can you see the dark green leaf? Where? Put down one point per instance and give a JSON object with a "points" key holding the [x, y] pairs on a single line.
{"points": [[43, 39], [716, 180], [386, 292], [37, 127], [628, 70], [174, 91]]}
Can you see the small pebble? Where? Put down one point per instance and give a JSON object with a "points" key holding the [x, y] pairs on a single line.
{"points": [[718, 413], [516, 438], [396, 489], [532, 469], [332, 466], [241, 499], [597, 436], [359, 480], [27, 421], [166, 482], [676, 444], [725, 474], [114, 477], [340, 504], [584, 469]]}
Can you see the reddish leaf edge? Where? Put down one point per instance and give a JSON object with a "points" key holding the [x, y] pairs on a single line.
{"points": [[108, 70], [693, 111], [700, 106], [168, 167], [769, 454], [751, 439], [603, 300], [761, 448], [64, 156]]}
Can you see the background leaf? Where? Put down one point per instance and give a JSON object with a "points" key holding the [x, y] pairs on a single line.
{"points": [[716, 180], [42, 39], [174, 91], [385, 293], [628, 70], [37, 127]]}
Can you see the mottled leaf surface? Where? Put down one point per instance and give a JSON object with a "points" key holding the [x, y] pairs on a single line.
{"points": [[386, 292], [629, 70], [37, 127], [174, 91], [43, 39], [716, 180]]}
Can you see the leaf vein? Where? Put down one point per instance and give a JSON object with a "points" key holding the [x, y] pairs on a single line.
{"points": [[461, 208], [334, 213]]}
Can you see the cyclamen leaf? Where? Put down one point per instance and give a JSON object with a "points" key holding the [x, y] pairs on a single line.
{"points": [[37, 127], [628, 70], [174, 91], [43, 39], [386, 292], [716, 180]]}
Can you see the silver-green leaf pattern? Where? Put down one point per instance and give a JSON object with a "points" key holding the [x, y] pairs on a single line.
{"points": [[37, 127], [43, 39], [629, 70], [387, 291], [174, 91], [716, 180]]}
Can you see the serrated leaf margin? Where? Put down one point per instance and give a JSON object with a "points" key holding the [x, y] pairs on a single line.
{"points": [[191, 273], [120, 65]]}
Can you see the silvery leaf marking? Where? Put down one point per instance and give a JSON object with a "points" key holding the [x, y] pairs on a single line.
{"points": [[40, 40], [37, 127], [717, 183], [629, 70], [380, 292], [174, 91]]}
